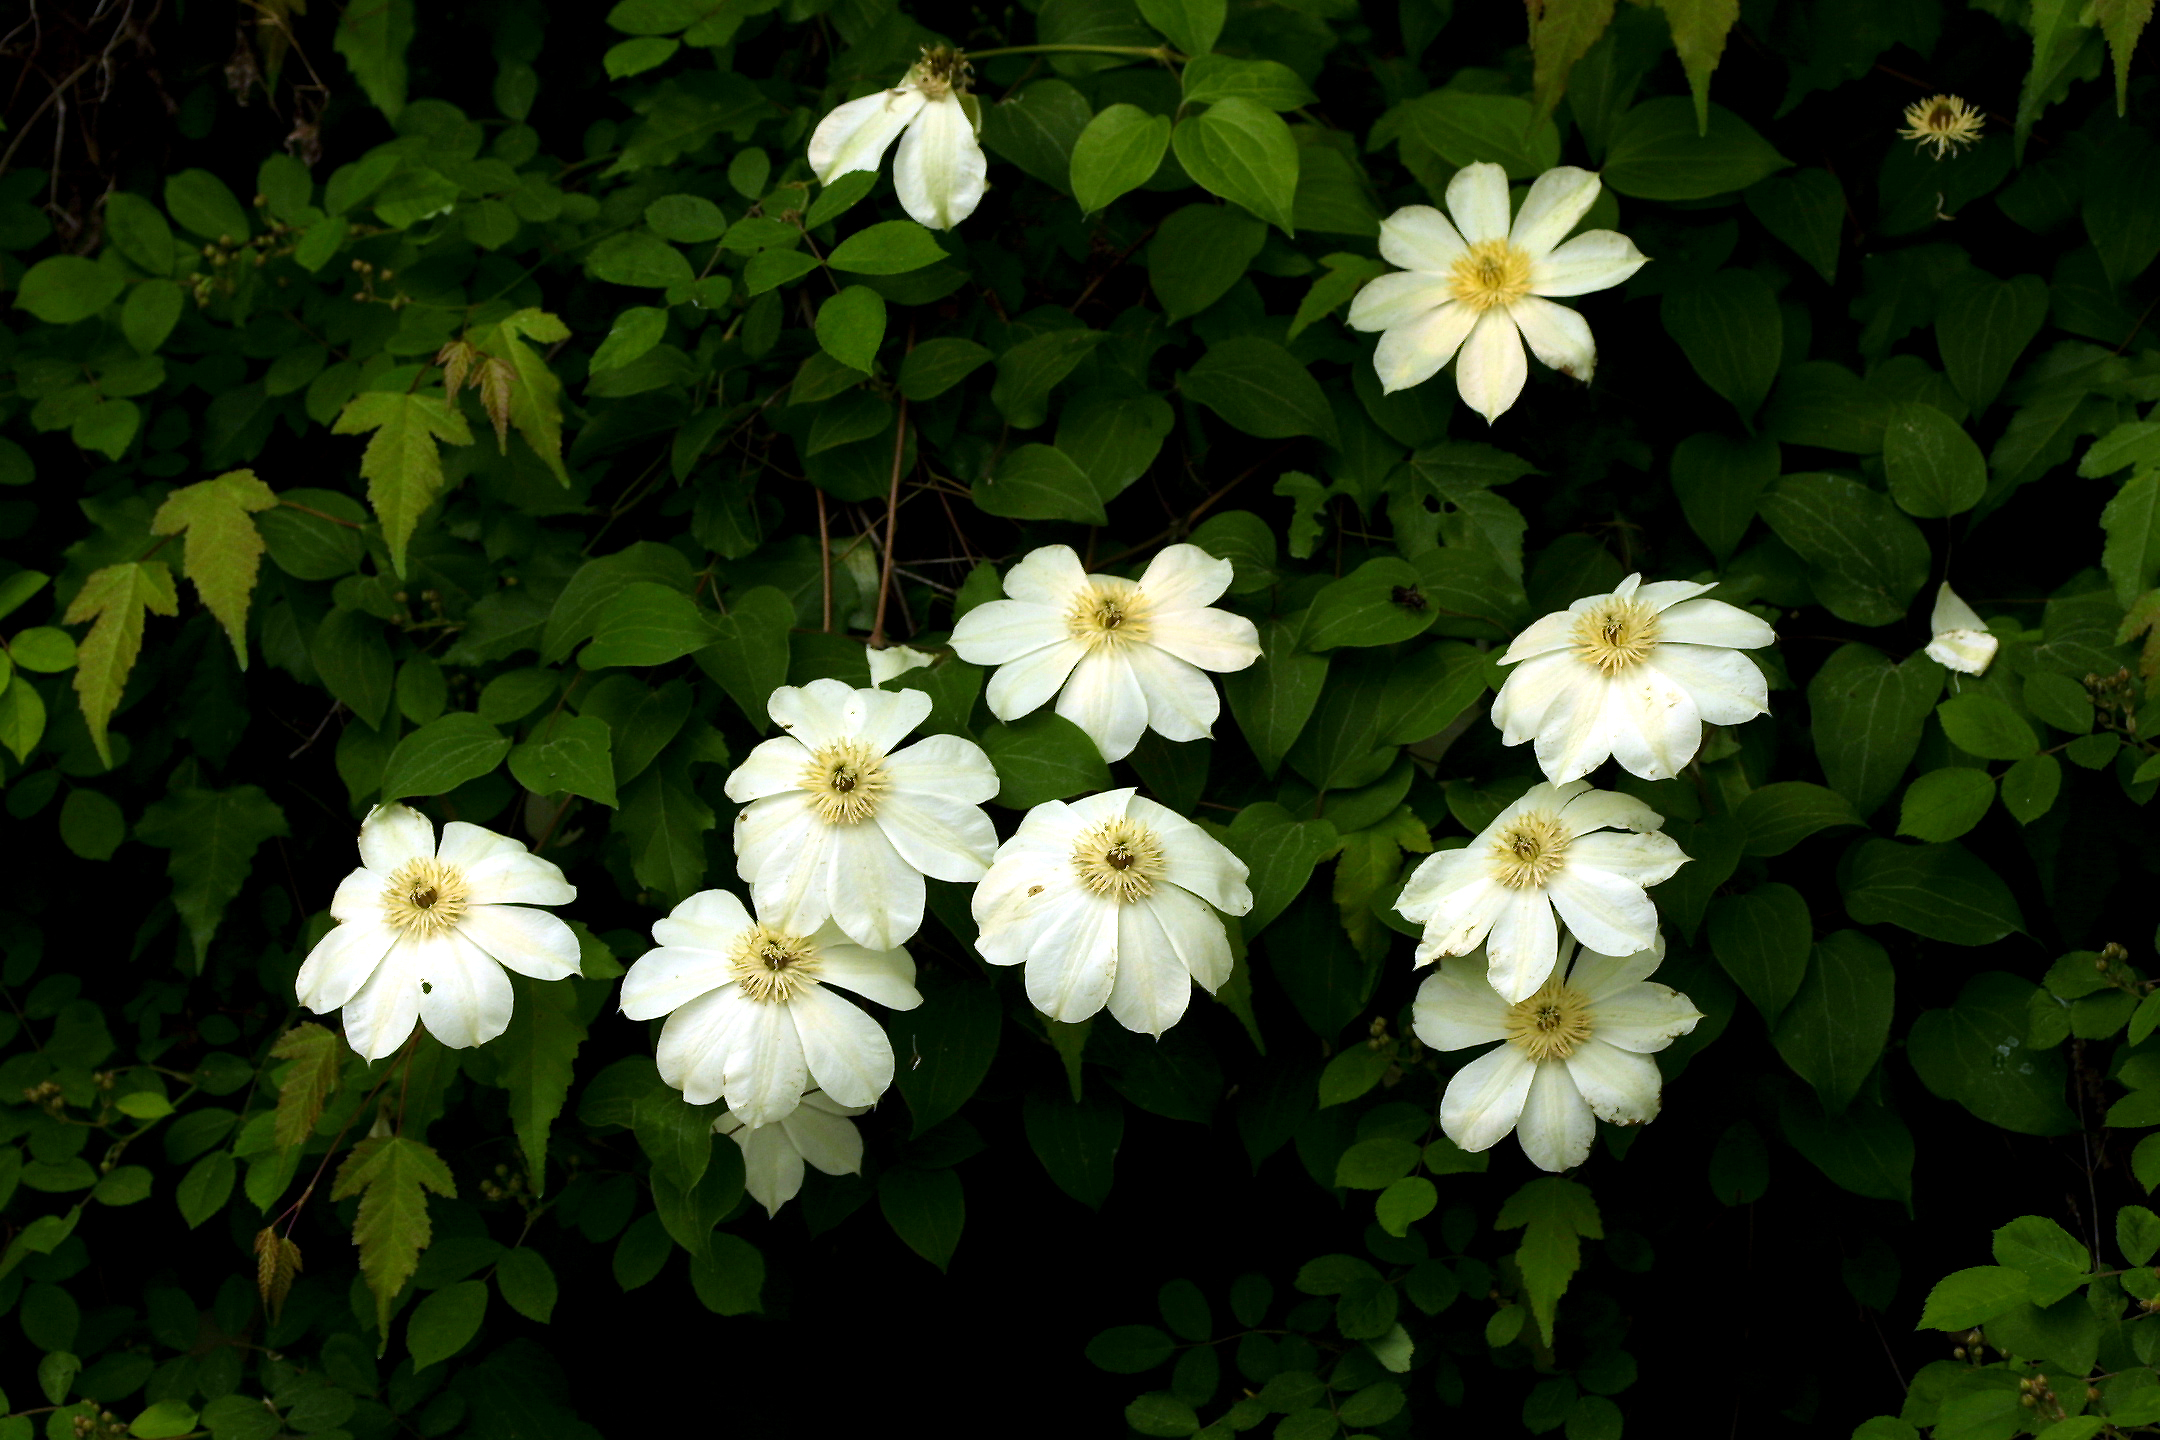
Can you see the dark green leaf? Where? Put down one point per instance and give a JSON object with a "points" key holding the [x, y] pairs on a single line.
{"points": [[442, 755], [1834, 1030], [1043, 757], [1865, 559], [1261, 389], [1941, 891]]}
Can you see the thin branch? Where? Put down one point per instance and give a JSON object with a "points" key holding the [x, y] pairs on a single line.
{"points": [[824, 545], [892, 515]]}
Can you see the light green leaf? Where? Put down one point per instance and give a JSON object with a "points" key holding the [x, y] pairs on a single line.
{"points": [[1554, 1215], [2123, 21], [392, 1175], [224, 549], [535, 1056], [1261, 389], [114, 601], [1865, 559], [1561, 32], [1243, 152], [567, 753], [527, 1281], [1038, 128], [153, 308], [1986, 727], [1972, 1297], [373, 38], [535, 398], [1030, 370], [1211, 79], [442, 755], [2131, 555], [1119, 151], [2029, 787], [401, 464], [1040, 482], [1463, 128], [1379, 603], [1699, 28], [137, 229], [1191, 25], [62, 289], [646, 623], [893, 247], [1944, 804], [315, 1056], [445, 1322], [851, 326]]}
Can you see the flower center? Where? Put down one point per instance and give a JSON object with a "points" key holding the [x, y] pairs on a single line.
{"points": [[1107, 617], [425, 897], [1493, 272], [1530, 851], [1616, 633], [1551, 1024], [1119, 858], [1943, 124], [772, 966], [846, 779], [940, 72]]}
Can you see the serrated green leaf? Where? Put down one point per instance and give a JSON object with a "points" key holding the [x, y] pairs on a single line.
{"points": [[392, 1175], [224, 549], [315, 1056], [213, 836], [401, 464], [113, 600]]}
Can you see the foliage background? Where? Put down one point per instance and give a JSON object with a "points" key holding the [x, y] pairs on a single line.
{"points": [[244, 241]]}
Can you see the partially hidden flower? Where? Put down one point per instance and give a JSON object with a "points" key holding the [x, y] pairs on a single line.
{"points": [[1107, 901], [1942, 123], [1961, 640], [939, 172], [1574, 1052], [841, 823], [751, 1013], [1121, 656], [425, 933], [1631, 675], [820, 1130], [893, 661], [1481, 287], [1587, 854]]}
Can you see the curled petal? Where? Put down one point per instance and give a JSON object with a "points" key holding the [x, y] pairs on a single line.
{"points": [[855, 135], [940, 172]]}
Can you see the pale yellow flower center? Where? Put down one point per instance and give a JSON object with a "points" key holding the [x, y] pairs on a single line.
{"points": [[940, 72], [1490, 273], [425, 897], [845, 779], [1119, 858], [1616, 633], [1530, 850], [1108, 618], [1551, 1024], [1943, 124], [772, 966]]}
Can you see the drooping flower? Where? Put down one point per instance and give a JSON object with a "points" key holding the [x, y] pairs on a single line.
{"points": [[1120, 655], [1483, 288], [939, 172], [1106, 901], [1574, 1052], [841, 825], [1552, 850], [1961, 640], [425, 932], [751, 1015], [1943, 123], [1631, 675], [820, 1130]]}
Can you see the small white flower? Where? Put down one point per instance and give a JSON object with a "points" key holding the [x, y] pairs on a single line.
{"points": [[1480, 287], [1120, 655], [895, 660], [1631, 675], [425, 933], [1962, 641], [939, 172], [1105, 900], [1575, 1052], [750, 1017], [840, 825], [1548, 851], [820, 1130]]}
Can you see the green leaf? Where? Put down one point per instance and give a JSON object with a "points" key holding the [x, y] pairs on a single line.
{"points": [[534, 1056], [1114, 437], [1865, 559], [1941, 891], [2054, 1263], [1129, 1349], [2058, 30], [1975, 1054], [1342, 277], [137, 229], [567, 753], [114, 601], [2137, 1233], [1118, 152], [224, 549], [1243, 152], [2131, 555], [91, 824], [1193, 26], [1077, 1141], [213, 836], [642, 259], [1376, 1164], [1464, 128], [206, 1187], [1934, 468], [893, 247], [748, 654], [1699, 28], [646, 623], [1868, 714], [2122, 21], [1211, 79], [1982, 327], [935, 366], [1972, 1297], [535, 395], [1030, 370], [665, 822], [1280, 853], [1728, 326], [527, 1282], [153, 308], [851, 326], [401, 464], [163, 1421], [1561, 33], [1720, 482], [578, 608], [1659, 152], [770, 269], [1037, 129], [1039, 482], [442, 755], [373, 39], [1379, 603], [635, 332], [1835, 1028], [1554, 1215], [1198, 253], [1404, 1203], [392, 1175], [446, 1322], [304, 1087], [1273, 698], [1260, 388], [1807, 212], [349, 652], [1944, 804], [1984, 726], [926, 1209], [1781, 815], [1762, 938], [62, 289], [1821, 403], [2029, 787], [1043, 757]]}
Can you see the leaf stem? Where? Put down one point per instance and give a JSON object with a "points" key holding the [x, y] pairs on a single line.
{"points": [[1148, 52]]}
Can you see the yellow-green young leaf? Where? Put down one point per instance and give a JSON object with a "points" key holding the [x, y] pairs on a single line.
{"points": [[534, 395], [1699, 28], [112, 601], [1560, 32], [401, 464], [392, 1176], [2122, 21], [224, 549], [277, 1265], [307, 1083]]}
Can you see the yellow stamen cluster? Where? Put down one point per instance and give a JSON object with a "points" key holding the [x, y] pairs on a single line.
{"points": [[1108, 616], [425, 898], [772, 966], [1615, 634], [1551, 1024], [1944, 123], [1491, 273], [846, 780], [1119, 858], [1530, 851]]}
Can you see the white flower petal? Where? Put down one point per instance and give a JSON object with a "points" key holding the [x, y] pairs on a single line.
{"points": [[1182, 703], [948, 766], [940, 172], [1104, 698], [531, 942], [881, 719], [341, 963], [1211, 639], [465, 998], [1644, 1017], [1969, 652], [1547, 633], [854, 136], [708, 920], [1595, 260], [1418, 237], [846, 1051], [1151, 986], [1021, 687], [1457, 1007], [1725, 686], [1663, 729], [1621, 1086], [1663, 595], [1598, 975], [1196, 932], [394, 834], [510, 875], [998, 632], [1713, 622], [816, 714], [1463, 916], [1184, 577], [1193, 859], [1491, 371], [765, 1066], [1556, 1127], [825, 1136], [1576, 733], [1485, 1098], [945, 839], [773, 767], [1638, 859], [359, 898], [664, 980], [1070, 950], [772, 1165], [1605, 911], [694, 1043], [892, 661], [1524, 944], [380, 1017], [1586, 809], [1412, 353], [1952, 613], [1557, 200], [850, 875], [1558, 336], [1402, 298], [1439, 877], [1477, 199], [886, 976], [1049, 575], [467, 846]]}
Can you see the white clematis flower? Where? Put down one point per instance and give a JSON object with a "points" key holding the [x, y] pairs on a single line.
{"points": [[841, 825], [1632, 675], [750, 1016], [1483, 288], [1120, 655], [1106, 901], [1575, 1052], [820, 1130], [1961, 641], [1551, 850], [424, 934], [939, 172]]}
